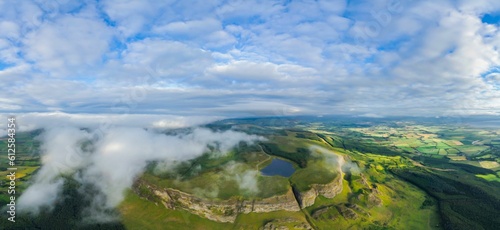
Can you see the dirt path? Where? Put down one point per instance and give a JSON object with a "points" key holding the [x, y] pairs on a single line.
{"points": [[264, 161]]}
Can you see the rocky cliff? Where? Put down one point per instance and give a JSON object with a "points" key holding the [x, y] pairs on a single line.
{"points": [[227, 210], [330, 190], [217, 210]]}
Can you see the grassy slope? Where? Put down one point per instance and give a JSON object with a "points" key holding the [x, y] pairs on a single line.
{"points": [[401, 202], [215, 178], [313, 174], [139, 213], [465, 200]]}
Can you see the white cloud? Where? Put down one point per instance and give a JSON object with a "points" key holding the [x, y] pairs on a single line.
{"points": [[190, 28], [132, 16], [41, 195], [207, 33], [454, 50], [9, 29], [479, 6], [32, 121], [335, 7], [168, 60], [205, 58], [264, 74], [261, 108], [245, 70], [245, 178], [114, 160], [493, 78], [68, 46], [244, 9]]}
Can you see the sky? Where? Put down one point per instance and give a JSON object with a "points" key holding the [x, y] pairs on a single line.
{"points": [[250, 58]]}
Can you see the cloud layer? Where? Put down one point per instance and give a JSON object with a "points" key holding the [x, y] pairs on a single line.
{"points": [[384, 57], [110, 161]]}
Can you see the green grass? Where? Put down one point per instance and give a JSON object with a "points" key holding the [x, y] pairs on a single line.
{"points": [[464, 200], [138, 213], [452, 151], [282, 218], [489, 177], [442, 145], [471, 149], [428, 150], [304, 178], [220, 184], [299, 156], [27, 162], [272, 185], [401, 208]]}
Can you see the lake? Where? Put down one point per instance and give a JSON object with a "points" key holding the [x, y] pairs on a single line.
{"points": [[278, 167]]}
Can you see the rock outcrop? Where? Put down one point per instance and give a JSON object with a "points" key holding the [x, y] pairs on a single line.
{"points": [[281, 224], [227, 210], [221, 210], [347, 212], [329, 190]]}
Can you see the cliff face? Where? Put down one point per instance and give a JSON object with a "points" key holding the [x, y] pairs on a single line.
{"points": [[227, 210], [329, 190], [221, 211]]}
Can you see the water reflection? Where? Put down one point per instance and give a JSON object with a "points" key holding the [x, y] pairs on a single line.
{"points": [[278, 167]]}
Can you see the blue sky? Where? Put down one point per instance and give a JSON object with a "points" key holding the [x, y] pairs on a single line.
{"points": [[250, 58]]}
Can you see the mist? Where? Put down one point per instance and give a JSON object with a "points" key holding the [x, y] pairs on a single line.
{"points": [[245, 178], [335, 161], [110, 160]]}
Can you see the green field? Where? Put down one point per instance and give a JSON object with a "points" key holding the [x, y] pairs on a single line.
{"points": [[396, 175], [313, 174]]}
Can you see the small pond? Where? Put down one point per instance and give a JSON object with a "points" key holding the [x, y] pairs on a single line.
{"points": [[278, 167]]}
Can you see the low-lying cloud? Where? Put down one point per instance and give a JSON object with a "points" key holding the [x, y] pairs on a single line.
{"points": [[245, 178], [334, 160], [110, 161]]}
